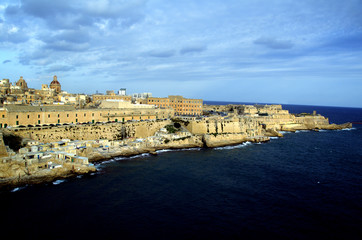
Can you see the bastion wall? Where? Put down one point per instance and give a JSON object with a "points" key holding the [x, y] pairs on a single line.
{"points": [[224, 126], [111, 131]]}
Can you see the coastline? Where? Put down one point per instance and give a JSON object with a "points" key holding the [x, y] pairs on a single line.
{"points": [[206, 133]]}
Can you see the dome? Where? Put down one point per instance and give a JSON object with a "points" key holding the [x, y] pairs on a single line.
{"points": [[55, 81], [22, 84], [55, 85]]}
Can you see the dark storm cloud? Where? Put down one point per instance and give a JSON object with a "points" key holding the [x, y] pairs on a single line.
{"points": [[273, 43]]}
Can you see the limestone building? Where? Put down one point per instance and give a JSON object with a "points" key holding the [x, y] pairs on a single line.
{"points": [[30, 116], [181, 105], [99, 97]]}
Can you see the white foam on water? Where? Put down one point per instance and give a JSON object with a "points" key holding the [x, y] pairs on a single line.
{"points": [[165, 150], [273, 137], [348, 129], [58, 182], [234, 146], [284, 132], [140, 156], [191, 149]]}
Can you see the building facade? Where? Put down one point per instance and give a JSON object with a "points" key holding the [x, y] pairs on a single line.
{"points": [[29, 116], [99, 97], [181, 105]]}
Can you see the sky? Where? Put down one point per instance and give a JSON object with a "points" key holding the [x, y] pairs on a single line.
{"points": [[305, 52]]}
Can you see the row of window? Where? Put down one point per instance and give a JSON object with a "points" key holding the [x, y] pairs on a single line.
{"points": [[172, 101]]}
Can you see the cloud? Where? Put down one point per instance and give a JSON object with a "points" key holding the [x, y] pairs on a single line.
{"points": [[6, 61], [273, 43], [59, 68], [193, 49], [350, 42], [161, 53]]}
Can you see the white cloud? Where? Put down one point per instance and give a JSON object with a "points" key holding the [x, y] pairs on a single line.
{"points": [[189, 41]]}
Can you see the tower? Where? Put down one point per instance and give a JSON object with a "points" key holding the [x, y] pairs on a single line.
{"points": [[55, 84], [122, 92]]}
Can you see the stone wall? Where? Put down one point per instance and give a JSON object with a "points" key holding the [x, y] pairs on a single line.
{"points": [[3, 152], [221, 126], [111, 131]]}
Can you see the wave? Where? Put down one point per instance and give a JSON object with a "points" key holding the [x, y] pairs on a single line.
{"points": [[57, 182], [18, 189], [284, 132], [165, 150], [234, 146], [348, 129], [190, 149], [298, 131], [139, 156], [273, 137]]}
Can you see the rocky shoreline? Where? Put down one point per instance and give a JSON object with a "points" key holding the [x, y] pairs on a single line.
{"points": [[80, 155]]}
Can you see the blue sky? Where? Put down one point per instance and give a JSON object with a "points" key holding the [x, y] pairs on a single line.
{"points": [[296, 52]]}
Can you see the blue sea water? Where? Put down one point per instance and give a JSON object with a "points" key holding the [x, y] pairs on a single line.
{"points": [[306, 185]]}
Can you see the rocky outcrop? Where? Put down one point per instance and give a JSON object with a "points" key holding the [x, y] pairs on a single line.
{"points": [[95, 155], [17, 174]]}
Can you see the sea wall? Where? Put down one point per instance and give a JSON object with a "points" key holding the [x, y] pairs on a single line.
{"points": [[111, 131], [219, 140], [246, 125]]}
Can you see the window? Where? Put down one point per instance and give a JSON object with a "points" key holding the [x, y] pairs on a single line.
{"points": [[38, 121], [38, 115], [28, 116], [48, 115], [17, 116], [17, 122], [3, 116], [67, 115], [58, 115]]}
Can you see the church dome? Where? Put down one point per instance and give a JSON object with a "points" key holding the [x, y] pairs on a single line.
{"points": [[22, 84], [55, 84]]}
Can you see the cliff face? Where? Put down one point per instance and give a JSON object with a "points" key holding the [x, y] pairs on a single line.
{"points": [[112, 131]]}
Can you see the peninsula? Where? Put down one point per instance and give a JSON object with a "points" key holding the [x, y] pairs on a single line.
{"points": [[42, 141]]}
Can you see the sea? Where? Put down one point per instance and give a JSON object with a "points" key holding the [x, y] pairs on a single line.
{"points": [[306, 185]]}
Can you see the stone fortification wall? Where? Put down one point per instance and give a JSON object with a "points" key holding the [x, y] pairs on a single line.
{"points": [[276, 120], [112, 131], [222, 126], [220, 140]]}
